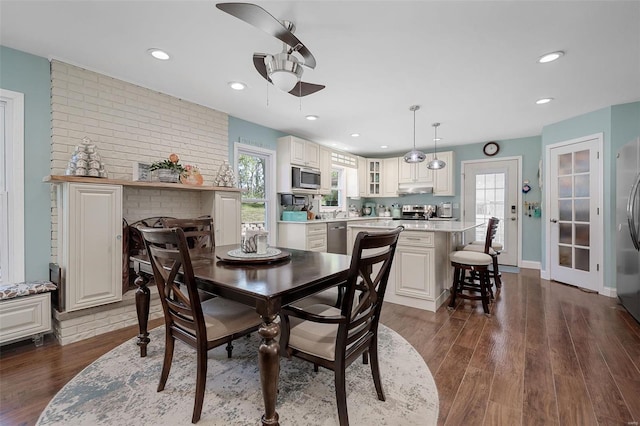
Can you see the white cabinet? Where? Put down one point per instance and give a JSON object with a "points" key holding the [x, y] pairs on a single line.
{"points": [[90, 243], [374, 176], [325, 170], [415, 265], [443, 179], [303, 236], [227, 217], [390, 177], [417, 173], [299, 151], [362, 177]]}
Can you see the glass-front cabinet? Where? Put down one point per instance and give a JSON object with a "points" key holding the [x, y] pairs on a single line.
{"points": [[374, 173]]}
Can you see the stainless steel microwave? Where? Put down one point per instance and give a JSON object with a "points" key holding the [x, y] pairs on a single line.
{"points": [[305, 178]]}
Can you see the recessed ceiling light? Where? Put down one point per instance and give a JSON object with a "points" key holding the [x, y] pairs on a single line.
{"points": [[159, 54], [437, 139], [544, 101], [311, 117], [355, 135], [237, 85], [550, 57], [384, 146]]}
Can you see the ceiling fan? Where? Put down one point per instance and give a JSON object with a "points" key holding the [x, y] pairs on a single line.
{"points": [[283, 69]]}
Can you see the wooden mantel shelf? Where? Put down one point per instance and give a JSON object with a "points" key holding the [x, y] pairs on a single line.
{"points": [[136, 184]]}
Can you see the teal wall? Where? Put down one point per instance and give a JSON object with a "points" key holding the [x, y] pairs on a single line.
{"points": [[619, 124], [28, 74], [251, 134], [529, 149]]}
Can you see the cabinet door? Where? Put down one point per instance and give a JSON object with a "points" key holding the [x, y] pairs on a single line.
{"points": [[374, 171], [91, 250], [405, 171], [362, 177], [297, 148], [390, 177], [312, 154], [414, 272], [423, 174], [325, 170], [227, 218], [443, 179]]}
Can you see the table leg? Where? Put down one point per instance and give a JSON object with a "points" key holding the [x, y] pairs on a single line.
{"points": [[269, 362], [143, 298]]}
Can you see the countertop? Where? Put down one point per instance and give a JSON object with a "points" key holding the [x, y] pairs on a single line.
{"points": [[417, 225], [338, 219]]}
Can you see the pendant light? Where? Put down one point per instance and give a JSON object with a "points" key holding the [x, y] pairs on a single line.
{"points": [[435, 164], [414, 156]]}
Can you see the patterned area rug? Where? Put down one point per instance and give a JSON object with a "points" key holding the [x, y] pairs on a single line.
{"points": [[120, 388]]}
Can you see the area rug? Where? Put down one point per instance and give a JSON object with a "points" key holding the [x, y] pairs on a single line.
{"points": [[120, 389]]}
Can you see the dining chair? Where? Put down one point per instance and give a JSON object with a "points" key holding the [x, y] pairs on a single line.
{"points": [[202, 325], [335, 337], [199, 232]]}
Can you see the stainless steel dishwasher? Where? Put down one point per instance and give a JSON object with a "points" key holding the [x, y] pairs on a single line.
{"points": [[337, 237]]}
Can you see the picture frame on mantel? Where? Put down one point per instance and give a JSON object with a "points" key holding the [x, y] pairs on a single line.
{"points": [[141, 172]]}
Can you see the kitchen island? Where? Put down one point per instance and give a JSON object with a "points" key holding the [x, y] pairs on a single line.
{"points": [[421, 274]]}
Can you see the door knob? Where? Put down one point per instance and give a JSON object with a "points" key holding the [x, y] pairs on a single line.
{"points": [[513, 218], [553, 220]]}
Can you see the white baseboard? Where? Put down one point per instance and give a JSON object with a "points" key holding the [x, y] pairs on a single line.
{"points": [[609, 291], [530, 264], [545, 274]]}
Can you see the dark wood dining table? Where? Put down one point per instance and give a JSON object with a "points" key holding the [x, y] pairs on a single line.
{"points": [[265, 286]]}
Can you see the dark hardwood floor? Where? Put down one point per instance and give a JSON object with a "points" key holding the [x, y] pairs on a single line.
{"points": [[550, 354]]}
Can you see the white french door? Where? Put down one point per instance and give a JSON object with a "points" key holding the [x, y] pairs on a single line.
{"points": [[575, 226], [491, 189]]}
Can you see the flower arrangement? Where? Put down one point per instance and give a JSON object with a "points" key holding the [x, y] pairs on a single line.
{"points": [[170, 164], [191, 175]]}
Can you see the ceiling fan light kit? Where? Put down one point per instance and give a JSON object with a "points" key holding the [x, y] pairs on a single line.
{"points": [[284, 70], [435, 164], [414, 156]]}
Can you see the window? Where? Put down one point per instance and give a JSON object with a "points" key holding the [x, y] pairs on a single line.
{"points": [[336, 199], [490, 199], [255, 176], [11, 187]]}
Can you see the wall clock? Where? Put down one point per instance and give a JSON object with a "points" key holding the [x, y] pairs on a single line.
{"points": [[491, 148]]}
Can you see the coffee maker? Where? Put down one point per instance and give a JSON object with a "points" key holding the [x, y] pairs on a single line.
{"points": [[445, 210]]}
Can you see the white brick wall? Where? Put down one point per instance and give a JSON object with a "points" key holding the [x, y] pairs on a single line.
{"points": [[129, 123]]}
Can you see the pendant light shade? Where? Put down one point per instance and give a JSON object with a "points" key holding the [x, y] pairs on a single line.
{"points": [[435, 164], [414, 156]]}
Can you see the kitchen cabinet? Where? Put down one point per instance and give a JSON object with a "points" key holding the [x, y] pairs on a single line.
{"points": [[444, 179], [414, 265], [417, 173], [362, 177], [300, 152], [390, 177], [374, 174], [90, 243], [325, 170], [303, 236], [227, 217]]}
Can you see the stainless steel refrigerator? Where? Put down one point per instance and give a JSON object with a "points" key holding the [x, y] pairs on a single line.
{"points": [[628, 227]]}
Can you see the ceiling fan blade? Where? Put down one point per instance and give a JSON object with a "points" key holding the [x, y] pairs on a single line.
{"points": [[258, 62], [260, 18], [303, 89]]}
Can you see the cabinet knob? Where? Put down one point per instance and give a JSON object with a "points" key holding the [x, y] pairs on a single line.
{"points": [[118, 237]]}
